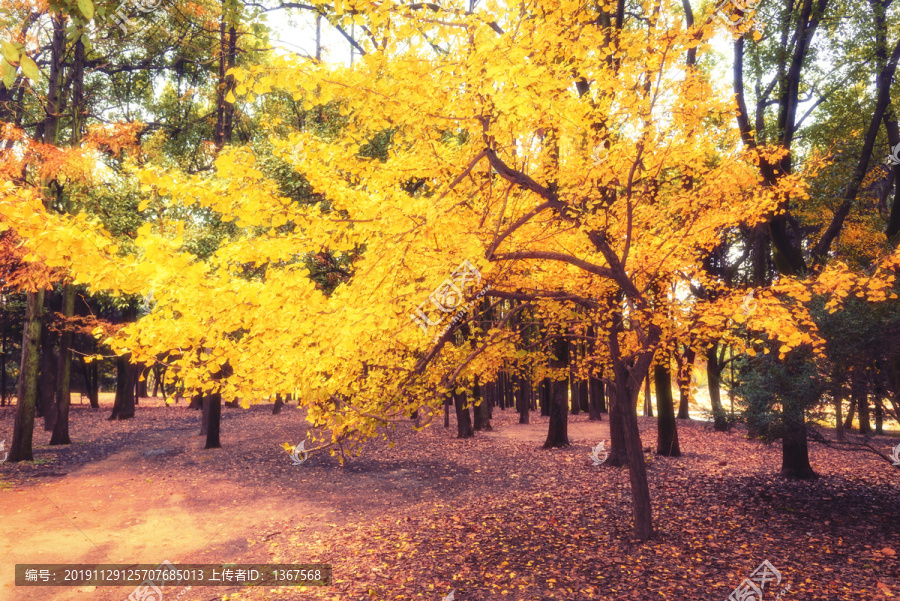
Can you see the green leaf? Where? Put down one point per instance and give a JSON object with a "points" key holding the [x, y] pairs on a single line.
{"points": [[87, 8], [9, 73], [9, 52], [30, 68]]}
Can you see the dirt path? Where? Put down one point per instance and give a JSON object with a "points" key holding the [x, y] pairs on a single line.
{"points": [[144, 491]]}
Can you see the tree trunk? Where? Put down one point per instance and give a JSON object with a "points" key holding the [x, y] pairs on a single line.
{"points": [[276, 408], [879, 416], [49, 375], [685, 368], [141, 382], [94, 396], [862, 405], [838, 413], [26, 396], [794, 451], [196, 403], [61, 428], [480, 408], [573, 394], [545, 387], [618, 456], [123, 406], [624, 400], [214, 420], [557, 431], [720, 420], [447, 401], [648, 399], [667, 427], [583, 399], [848, 423], [595, 392], [463, 420], [522, 386]]}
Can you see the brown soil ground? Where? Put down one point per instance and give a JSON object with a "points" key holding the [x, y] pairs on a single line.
{"points": [[494, 517]]}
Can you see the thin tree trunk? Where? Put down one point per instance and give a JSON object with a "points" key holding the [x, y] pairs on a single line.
{"points": [[685, 368], [26, 396], [862, 405], [667, 427], [276, 408], [596, 395], [447, 401], [94, 397], [49, 375], [61, 428], [214, 420], [720, 420], [879, 416], [648, 402], [838, 413]]}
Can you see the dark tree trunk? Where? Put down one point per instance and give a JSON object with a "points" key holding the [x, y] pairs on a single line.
{"points": [[463, 419], [123, 406], [879, 416], [848, 423], [26, 396], [583, 399], [557, 431], [141, 383], [447, 402], [157, 376], [545, 387], [667, 432], [596, 403], [720, 420], [573, 393], [862, 404], [49, 375], [482, 408], [838, 413], [214, 421], [648, 400], [625, 399], [522, 400], [61, 427], [685, 368], [618, 456], [276, 408], [94, 396], [196, 403], [795, 452]]}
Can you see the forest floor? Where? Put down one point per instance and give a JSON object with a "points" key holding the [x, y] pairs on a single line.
{"points": [[494, 517]]}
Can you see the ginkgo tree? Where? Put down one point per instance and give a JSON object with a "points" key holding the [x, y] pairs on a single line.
{"points": [[575, 159]]}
